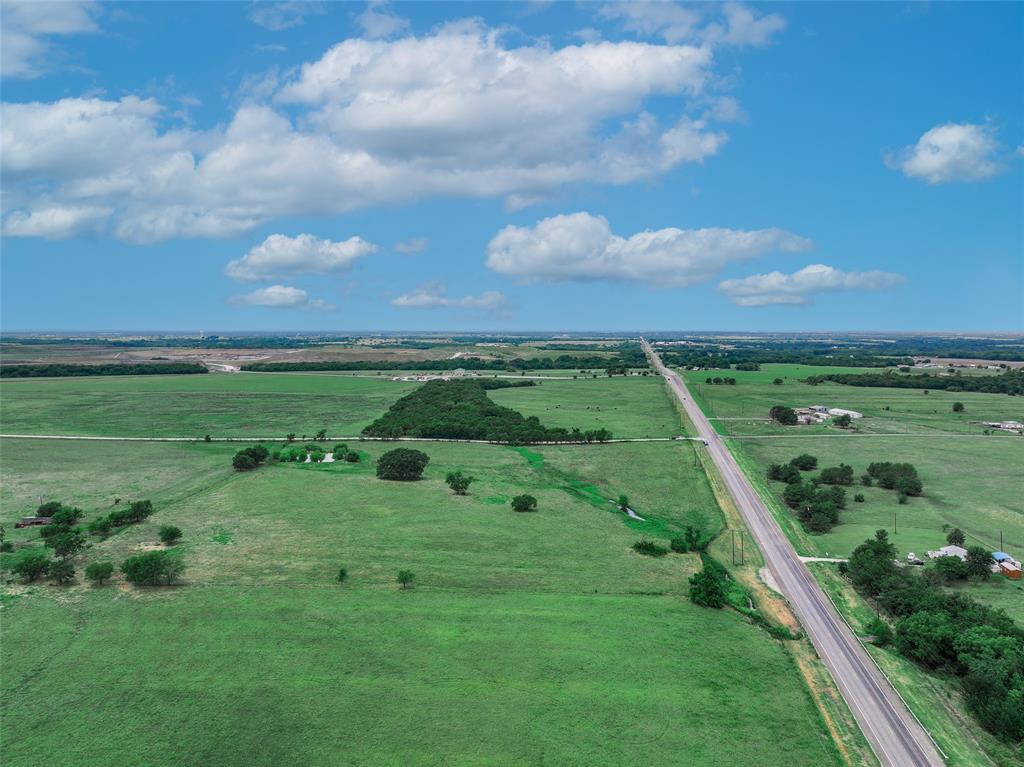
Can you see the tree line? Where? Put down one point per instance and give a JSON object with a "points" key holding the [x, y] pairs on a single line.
{"points": [[623, 359], [462, 410], [62, 370], [1010, 382]]}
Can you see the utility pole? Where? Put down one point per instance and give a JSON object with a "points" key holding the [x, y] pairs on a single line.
{"points": [[733, 536], [894, 522]]}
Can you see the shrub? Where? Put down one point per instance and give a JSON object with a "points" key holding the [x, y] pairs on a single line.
{"points": [[958, 407], [6, 546], [339, 450], [649, 548], [843, 421], [243, 462], [153, 568], [402, 465], [458, 482], [98, 572], [406, 578], [351, 456], [880, 630], [32, 564], [524, 503], [777, 382], [169, 534], [342, 575], [101, 527], [858, 498]]}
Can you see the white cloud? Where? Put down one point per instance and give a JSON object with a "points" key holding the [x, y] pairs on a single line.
{"points": [[280, 255], [432, 296], [951, 152], [738, 25], [280, 297], [582, 247], [412, 245], [280, 16], [26, 29], [455, 113], [57, 223], [378, 23], [799, 288]]}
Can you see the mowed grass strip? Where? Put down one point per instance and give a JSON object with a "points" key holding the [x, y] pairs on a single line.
{"points": [[529, 638]]}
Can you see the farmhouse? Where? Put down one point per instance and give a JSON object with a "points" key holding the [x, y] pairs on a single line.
{"points": [[948, 551], [33, 521], [1005, 425]]}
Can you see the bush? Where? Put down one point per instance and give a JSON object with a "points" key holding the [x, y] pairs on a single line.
{"points": [[169, 534], [101, 527], [243, 462], [458, 482], [837, 475], [805, 462], [351, 456], [339, 450], [843, 421], [342, 575], [402, 465], [777, 382], [858, 498], [154, 568], [32, 564], [880, 630], [958, 407], [692, 539], [649, 548], [524, 503], [99, 572]]}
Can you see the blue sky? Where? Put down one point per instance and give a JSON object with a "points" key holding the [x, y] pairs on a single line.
{"points": [[535, 166]]}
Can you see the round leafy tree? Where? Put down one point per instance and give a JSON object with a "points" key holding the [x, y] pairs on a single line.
{"points": [[524, 503], [402, 464]]}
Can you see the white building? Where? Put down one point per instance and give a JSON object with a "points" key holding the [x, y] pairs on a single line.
{"points": [[948, 551], [837, 411]]}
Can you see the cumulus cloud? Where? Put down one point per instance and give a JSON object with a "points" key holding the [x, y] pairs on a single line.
{"points": [[454, 113], [27, 29], [800, 288], [412, 245], [377, 22], [951, 152], [280, 297], [280, 255], [737, 25], [57, 223], [278, 17], [433, 296], [582, 247]]}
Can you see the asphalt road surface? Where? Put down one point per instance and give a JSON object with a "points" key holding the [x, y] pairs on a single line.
{"points": [[896, 737]]}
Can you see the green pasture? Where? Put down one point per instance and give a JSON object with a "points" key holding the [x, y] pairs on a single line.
{"points": [[528, 639]]}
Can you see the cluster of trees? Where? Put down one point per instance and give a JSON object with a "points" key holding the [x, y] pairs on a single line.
{"points": [[62, 370], [131, 514], [249, 458], [402, 465], [1009, 382], [462, 410], [782, 414], [816, 507], [951, 633], [717, 380], [748, 366], [717, 358], [710, 586], [624, 359], [901, 477], [153, 568]]}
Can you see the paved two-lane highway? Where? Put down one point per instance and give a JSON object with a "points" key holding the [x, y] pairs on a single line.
{"points": [[896, 737]]}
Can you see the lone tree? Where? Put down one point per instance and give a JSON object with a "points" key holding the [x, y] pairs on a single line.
{"points": [[707, 587], [777, 382], [524, 503], [62, 571], [342, 574], [958, 407], [321, 435], [458, 482], [406, 578], [843, 421], [956, 537], [170, 534], [979, 562], [243, 462], [784, 415], [805, 462], [33, 564], [402, 465], [99, 572]]}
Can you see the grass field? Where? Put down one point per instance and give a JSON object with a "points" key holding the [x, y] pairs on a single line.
{"points": [[272, 404], [529, 638]]}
